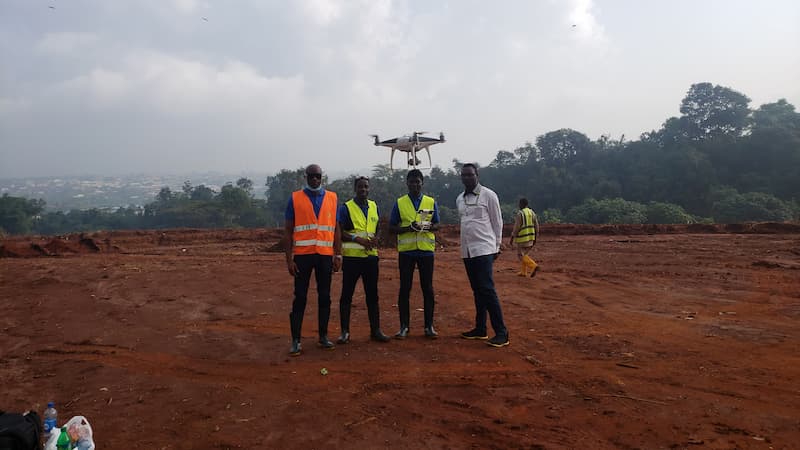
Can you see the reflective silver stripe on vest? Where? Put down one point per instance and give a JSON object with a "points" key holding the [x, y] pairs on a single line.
{"points": [[356, 245], [414, 240], [313, 242], [311, 226]]}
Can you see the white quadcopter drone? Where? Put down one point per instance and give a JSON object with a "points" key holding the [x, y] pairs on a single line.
{"points": [[410, 144]]}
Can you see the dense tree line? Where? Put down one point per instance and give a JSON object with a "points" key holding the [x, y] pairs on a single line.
{"points": [[718, 161]]}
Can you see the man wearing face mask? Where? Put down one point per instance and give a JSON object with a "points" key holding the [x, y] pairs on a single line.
{"points": [[313, 243], [358, 218]]}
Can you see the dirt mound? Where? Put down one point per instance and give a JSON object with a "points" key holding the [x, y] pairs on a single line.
{"points": [[60, 246], [52, 246], [89, 244], [775, 227], [11, 251]]}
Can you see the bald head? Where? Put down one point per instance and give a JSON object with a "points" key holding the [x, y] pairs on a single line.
{"points": [[314, 176]]}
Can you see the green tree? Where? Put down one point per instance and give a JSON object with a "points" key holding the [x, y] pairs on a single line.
{"points": [[246, 185], [667, 213], [615, 210], [508, 210], [279, 188], [504, 159], [17, 213], [563, 146], [751, 206], [550, 215], [780, 114], [711, 110], [202, 193], [165, 195], [233, 198]]}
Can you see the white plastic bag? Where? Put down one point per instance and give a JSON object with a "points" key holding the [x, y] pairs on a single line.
{"points": [[79, 432], [50, 444]]}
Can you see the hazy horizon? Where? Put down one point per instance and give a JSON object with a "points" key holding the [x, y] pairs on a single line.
{"points": [[179, 86]]}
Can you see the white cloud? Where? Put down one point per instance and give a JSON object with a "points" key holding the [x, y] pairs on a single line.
{"points": [[185, 6], [65, 43], [177, 86], [322, 12], [584, 23], [11, 106]]}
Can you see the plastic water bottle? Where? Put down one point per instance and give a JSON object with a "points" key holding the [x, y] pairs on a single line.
{"points": [[50, 419]]}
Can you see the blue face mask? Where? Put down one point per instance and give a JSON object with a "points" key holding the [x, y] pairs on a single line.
{"points": [[313, 189]]}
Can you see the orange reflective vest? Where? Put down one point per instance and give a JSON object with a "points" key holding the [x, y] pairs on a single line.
{"points": [[312, 234]]}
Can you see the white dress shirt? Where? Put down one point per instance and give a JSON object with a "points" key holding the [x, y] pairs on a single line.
{"points": [[481, 222]]}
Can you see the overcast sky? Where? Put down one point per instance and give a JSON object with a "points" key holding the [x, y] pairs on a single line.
{"points": [[173, 86]]}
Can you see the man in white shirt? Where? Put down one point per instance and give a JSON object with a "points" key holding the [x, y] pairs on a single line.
{"points": [[481, 236]]}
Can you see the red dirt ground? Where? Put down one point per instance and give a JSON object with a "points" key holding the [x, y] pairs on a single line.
{"points": [[629, 337]]}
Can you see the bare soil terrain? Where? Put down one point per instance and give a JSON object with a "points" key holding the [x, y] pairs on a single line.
{"points": [[628, 337]]}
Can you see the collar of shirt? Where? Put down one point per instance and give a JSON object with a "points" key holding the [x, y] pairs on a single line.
{"points": [[475, 191]]}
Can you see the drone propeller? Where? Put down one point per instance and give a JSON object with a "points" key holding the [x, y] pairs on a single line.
{"points": [[420, 132]]}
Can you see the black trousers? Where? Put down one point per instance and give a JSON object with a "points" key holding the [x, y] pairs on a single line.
{"points": [[407, 264], [322, 266], [480, 273], [367, 270]]}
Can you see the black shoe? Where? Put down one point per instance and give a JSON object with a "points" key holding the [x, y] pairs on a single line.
{"points": [[475, 334], [498, 341], [533, 274], [344, 338], [430, 333], [402, 334], [325, 343], [378, 336], [296, 348]]}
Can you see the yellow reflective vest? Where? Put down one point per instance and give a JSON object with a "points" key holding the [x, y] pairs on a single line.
{"points": [[364, 227], [414, 240], [527, 232]]}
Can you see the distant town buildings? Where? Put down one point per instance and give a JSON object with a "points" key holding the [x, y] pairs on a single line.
{"points": [[111, 193]]}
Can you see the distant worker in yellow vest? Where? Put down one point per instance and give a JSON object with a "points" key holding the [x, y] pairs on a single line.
{"points": [[526, 230], [313, 243], [414, 218], [358, 220]]}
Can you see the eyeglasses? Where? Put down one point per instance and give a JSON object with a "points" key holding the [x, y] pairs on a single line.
{"points": [[314, 175]]}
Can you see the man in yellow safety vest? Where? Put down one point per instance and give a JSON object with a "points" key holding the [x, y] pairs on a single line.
{"points": [[358, 219], [414, 218], [526, 230]]}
